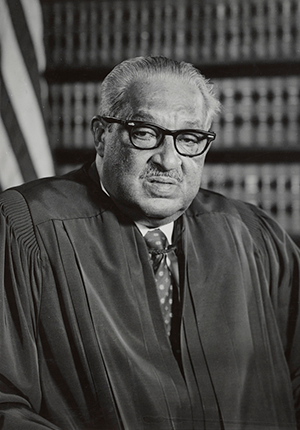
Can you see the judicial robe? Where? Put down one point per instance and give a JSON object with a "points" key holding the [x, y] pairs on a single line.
{"points": [[82, 340]]}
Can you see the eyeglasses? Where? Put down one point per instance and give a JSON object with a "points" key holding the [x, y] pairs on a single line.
{"points": [[144, 135]]}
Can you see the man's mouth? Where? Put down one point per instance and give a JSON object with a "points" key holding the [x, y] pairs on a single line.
{"points": [[162, 186], [163, 180]]}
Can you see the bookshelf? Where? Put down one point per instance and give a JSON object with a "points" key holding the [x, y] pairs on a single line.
{"points": [[250, 49]]}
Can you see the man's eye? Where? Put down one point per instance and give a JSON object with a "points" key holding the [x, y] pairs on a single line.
{"points": [[189, 139], [144, 133]]}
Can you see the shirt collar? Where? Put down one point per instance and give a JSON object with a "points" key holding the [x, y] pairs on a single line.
{"points": [[167, 229]]}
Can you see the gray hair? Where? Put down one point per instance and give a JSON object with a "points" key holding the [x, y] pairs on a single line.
{"points": [[113, 101]]}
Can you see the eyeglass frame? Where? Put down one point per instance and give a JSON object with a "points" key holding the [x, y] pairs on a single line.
{"points": [[129, 124]]}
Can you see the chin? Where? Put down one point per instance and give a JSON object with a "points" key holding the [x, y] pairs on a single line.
{"points": [[162, 209]]}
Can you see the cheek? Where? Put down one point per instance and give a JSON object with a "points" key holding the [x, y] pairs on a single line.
{"points": [[193, 172], [124, 166]]}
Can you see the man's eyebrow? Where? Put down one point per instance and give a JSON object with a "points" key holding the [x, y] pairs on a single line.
{"points": [[147, 117], [143, 116]]}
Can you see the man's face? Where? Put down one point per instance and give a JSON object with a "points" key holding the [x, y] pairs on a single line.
{"points": [[154, 186]]}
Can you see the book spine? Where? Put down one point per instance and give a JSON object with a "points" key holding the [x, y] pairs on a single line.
{"points": [[282, 194], [180, 30], [277, 134], [286, 25], [208, 23], [267, 196], [261, 113], [258, 29], [196, 35], [233, 30], [67, 114], [292, 110], [243, 112], [168, 30], [70, 34], [146, 37], [156, 28], [104, 33], [134, 29], [294, 222], [272, 27], [250, 183], [246, 30], [55, 101], [220, 31], [296, 29], [227, 118], [116, 32], [78, 115], [93, 31], [57, 32], [83, 30]]}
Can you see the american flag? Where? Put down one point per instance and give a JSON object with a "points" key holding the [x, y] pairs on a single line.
{"points": [[24, 147]]}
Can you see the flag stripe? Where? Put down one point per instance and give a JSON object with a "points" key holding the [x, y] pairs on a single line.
{"points": [[10, 174], [15, 136], [24, 101], [24, 40], [33, 14]]}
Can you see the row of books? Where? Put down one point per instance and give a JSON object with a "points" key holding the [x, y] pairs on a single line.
{"points": [[96, 33], [273, 187], [257, 112]]}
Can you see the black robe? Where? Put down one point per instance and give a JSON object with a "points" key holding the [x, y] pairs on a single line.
{"points": [[82, 339]]}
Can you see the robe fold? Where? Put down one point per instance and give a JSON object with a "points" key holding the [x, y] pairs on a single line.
{"points": [[82, 339]]}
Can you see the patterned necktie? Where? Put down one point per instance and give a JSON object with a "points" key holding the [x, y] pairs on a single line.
{"points": [[157, 244]]}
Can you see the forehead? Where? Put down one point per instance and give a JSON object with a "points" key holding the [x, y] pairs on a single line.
{"points": [[166, 97]]}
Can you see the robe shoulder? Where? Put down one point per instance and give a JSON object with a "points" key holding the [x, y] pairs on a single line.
{"points": [[74, 195]]}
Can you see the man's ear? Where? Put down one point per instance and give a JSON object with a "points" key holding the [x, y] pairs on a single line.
{"points": [[98, 129]]}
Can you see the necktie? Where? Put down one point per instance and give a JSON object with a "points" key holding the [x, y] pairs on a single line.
{"points": [[157, 245]]}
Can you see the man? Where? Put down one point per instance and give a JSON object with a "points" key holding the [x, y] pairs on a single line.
{"points": [[106, 323]]}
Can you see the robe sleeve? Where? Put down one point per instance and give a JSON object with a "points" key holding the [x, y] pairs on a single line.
{"points": [[281, 261], [20, 290]]}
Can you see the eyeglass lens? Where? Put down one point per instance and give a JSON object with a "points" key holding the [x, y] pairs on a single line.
{"points": [[187, 143]]}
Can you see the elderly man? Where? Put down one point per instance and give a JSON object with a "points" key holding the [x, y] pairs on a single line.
{"points": [[132, 300]]}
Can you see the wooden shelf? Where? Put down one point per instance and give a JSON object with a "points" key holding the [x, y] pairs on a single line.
{"points": [[212, 70], [257, 156]]}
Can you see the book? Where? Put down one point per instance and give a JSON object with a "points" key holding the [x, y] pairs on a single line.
{"points": [[68, 36], [221, 31], [292, 110], [171, 38], [84, 35], [78, 115], [233, 30], [145, 35], [67, 115]]}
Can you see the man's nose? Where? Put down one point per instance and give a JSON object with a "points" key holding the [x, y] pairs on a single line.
{"points": [[166, 155]]}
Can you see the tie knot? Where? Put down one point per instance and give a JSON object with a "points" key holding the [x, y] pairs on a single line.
{"points": [[156, 239]]}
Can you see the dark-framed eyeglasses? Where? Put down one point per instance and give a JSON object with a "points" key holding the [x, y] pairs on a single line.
{"points": [[146, 135]]}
